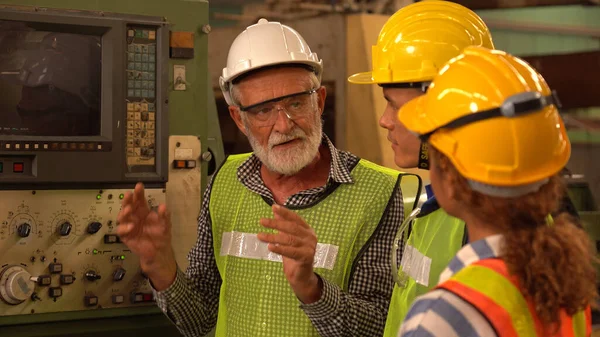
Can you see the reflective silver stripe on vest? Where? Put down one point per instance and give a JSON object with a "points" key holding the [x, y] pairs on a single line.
{"points": [[416, 265], [248, 246]]}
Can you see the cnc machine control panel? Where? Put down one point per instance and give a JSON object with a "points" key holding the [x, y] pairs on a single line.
{"points": [[59, 251]]}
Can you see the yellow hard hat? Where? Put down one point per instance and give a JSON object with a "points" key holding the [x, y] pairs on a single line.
{"points": [[419, 39], [496, 119]]}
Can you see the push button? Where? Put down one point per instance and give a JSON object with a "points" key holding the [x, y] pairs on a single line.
{"points": [[55, 292], [179, 164], [91, 301], [118, 299], [141, 297], [18, 167], [55, 268], [66, 279], [111, 238], [43, 280]]}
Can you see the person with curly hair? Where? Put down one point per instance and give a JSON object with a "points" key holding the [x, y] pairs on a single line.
{"points": [[496, 145]]}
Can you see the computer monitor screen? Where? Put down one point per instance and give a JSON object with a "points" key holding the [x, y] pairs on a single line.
{"points": [[49, 81]]}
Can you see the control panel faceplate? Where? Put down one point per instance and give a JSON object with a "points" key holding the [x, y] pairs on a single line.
{"points": [[59, 251]]}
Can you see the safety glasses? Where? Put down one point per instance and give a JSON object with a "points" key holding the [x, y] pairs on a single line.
{"points": [[295, 106]]}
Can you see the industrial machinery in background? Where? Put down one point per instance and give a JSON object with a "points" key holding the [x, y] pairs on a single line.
{"points": [[94, 97]]}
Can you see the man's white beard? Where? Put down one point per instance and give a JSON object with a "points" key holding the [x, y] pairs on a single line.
{"points": [[291, 160]]}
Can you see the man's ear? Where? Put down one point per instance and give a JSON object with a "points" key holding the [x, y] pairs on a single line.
{"points": [[235, 114], [322, 93]]}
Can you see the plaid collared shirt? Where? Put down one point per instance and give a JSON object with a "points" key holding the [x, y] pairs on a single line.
{"points": [[192, 301]]}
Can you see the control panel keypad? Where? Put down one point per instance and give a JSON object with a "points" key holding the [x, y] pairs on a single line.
{"points": [[141, 98]]}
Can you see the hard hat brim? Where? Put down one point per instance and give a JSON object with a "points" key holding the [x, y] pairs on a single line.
{"points": [[362, 78]]}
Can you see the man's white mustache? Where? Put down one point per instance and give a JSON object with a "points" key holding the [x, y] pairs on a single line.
{"points": [[278, 138]]}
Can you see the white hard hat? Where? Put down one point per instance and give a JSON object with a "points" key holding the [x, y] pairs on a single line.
{"points": [[266, 44]]}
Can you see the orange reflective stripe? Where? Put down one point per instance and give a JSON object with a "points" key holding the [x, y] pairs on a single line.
{"points": [[588, 321], [500, 319], [539, 327], [496, 265], [566, 325]]}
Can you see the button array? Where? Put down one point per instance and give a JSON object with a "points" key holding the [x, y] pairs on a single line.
{"points": [[54, 146], [141, 133]]}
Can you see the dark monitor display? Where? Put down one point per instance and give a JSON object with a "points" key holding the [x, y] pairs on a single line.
{"points": [[50, 82]]}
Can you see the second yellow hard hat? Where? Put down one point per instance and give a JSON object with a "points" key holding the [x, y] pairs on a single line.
{"points": [[418, 39], [496, 119]]}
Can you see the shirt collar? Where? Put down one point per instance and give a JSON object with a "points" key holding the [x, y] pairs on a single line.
{"points": [[486, 248], [339, 168]]}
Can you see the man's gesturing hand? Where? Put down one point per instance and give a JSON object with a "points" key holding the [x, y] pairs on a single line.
{"points": [[296, 242], [148, 234]]}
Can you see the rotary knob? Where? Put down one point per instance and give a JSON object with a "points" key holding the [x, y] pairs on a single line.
{"points": [[15, 285], [24, 230], [94, 227], [65, 228], [119, 274], [92, 276]]}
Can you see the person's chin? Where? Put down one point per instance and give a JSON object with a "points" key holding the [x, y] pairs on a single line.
{"points": [[403, 162]]}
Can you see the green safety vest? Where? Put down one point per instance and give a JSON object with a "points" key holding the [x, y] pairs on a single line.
{"points": [[434, 240], [255, 297]]}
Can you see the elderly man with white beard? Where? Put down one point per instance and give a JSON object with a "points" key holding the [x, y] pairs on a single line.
{"points": [[294, 238]]}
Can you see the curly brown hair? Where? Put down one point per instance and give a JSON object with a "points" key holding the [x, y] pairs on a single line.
{"points": [[553, 264]]}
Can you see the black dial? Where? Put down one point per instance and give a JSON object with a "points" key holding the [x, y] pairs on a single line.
{"points": [[118, 274], [92, 275], [65, 228], [94, 227], [24, 230]]}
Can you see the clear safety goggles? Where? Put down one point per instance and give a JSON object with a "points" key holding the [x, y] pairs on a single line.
{"points": [[295, 106], [514, 106]]}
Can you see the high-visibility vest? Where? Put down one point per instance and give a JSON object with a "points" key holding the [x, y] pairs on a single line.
{"points": [[255, 298], [488, 286], [435, 237]]}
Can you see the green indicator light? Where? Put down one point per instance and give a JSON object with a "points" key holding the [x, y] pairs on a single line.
{"points": [[122, 257], [99, 196], [95, 251], [121, 196]]}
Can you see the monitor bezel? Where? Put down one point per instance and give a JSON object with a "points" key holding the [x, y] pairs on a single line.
{"points": [[108, 165]]}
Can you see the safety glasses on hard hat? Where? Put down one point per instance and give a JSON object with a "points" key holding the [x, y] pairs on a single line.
{"points": [[514, 106], [295, 106]]}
